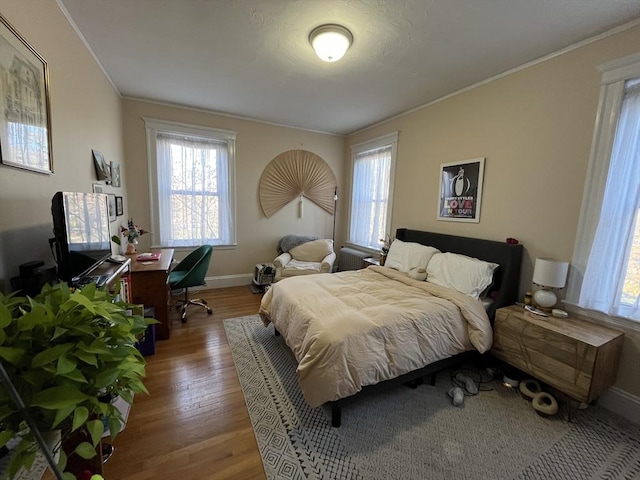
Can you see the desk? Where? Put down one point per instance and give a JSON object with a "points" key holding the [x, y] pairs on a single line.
{"points": [[149, 287]]}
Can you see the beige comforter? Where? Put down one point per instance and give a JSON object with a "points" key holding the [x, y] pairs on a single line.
{"points": [[358, 328]]}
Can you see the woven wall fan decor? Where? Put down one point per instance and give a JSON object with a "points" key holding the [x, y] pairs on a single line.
{"points": [[293, 174]]}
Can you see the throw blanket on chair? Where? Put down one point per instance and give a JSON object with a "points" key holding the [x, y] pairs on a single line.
{"points": [[288, 242]]}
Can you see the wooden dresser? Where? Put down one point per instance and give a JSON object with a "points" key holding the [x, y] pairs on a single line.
{"points": [[575, 356]]}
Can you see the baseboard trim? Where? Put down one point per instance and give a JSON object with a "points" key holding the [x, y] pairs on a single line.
{"points": [[621, 402], [223, 281]]}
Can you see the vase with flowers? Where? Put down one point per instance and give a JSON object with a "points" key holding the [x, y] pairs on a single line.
{"points": [[131, 232]]}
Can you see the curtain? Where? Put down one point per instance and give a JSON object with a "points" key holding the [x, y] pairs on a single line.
{"points": [[370, 197], [611, 281], [194, 203]]}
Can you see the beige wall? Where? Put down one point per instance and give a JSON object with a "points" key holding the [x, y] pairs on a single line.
{"points": [[256, 145], [534, 127], [85, 112]]}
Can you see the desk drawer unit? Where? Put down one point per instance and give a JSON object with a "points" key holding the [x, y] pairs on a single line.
{"points": [[577, 357]]}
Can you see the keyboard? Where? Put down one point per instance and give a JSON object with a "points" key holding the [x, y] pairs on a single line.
{"points": [[99, 280]]}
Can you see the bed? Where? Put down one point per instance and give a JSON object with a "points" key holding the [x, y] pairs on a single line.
{"points": [[359, 330]]}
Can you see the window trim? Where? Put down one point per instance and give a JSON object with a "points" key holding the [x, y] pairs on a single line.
{"points": [[614, 75], [154, 126], [390, 139]]}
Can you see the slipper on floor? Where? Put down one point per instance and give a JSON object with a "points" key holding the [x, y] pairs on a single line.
{"points": [[457, 395], [469, 385]]}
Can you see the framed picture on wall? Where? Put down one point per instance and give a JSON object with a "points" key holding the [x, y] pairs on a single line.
{"points": [[461, 190], [119, 207], [98, 188], [25, 119], [112, 206]]}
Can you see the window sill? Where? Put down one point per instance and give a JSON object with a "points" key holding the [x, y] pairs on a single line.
{"points": [[187, 249], [599, 317]]}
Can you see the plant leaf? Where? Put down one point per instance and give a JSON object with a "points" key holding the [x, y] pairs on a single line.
{"points": [[85, 450], [62, 462], [86, 357], [11, 354], [50, 354], [5, 437], [5, 316], [58, 397], [58, 332], [61, 415], [79, 417], [95, 429], [107, 378], [115, 426], [75, 375], [66, 365]]}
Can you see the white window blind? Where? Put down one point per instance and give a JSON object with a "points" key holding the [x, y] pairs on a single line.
{"points": [[194, 186], [371, 191]]}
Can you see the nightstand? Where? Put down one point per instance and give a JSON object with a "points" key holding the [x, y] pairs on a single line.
{"points": [[370, 261], [575, 356]]}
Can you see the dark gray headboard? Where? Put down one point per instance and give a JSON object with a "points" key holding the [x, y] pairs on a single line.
{"points": [[508, 256]]}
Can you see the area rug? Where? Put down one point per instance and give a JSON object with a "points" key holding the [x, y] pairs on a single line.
{"points": [[417, 433]]}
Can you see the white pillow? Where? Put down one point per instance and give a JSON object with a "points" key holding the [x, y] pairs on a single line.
{"points": [[313, 251], [410, 257], [467, 275]]}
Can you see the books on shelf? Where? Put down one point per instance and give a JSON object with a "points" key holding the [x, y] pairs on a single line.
{"points": [[125, 288], [148, 257]]}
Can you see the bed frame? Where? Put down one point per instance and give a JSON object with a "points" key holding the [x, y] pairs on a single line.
{"points": [[504, 291]]}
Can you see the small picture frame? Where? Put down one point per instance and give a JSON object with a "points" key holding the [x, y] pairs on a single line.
{"points": [[461, 190], [98, 188], [115, 174], [119, 207], [112, 206]]}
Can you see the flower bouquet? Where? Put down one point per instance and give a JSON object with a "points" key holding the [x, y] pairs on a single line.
{"points": [[131, 232]]}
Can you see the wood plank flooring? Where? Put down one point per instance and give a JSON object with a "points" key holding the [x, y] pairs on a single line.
{"points": [[194, 423]]}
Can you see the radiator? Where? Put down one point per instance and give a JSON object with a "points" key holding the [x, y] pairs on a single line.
{"points": [[350, 259]]}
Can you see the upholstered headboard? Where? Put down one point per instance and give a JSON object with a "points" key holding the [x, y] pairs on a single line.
{"points": [[508, 256]]}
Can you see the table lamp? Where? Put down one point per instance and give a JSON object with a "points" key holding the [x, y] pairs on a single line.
{"points": [[548, 273]]}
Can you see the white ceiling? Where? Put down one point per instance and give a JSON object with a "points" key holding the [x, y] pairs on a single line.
{"points": [[252, 58]]}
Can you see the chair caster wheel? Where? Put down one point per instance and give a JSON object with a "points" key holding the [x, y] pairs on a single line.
{"points": [[209, 311], [183, 319]]}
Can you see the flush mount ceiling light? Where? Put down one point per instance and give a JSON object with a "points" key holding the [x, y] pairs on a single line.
{"points": [[330, 41]]}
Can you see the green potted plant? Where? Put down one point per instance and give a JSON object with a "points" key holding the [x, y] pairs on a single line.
{"points": [[62, 350]]}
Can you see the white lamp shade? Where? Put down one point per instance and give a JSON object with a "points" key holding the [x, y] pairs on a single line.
{"points": [[550, 272], [330, 42]]}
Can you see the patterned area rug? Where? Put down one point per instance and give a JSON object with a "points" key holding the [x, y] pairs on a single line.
{"points": [[418, 434]]}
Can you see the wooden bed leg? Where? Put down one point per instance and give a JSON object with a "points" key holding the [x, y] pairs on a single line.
{"points": [[432, 380], [336, 414], [276, 331]]}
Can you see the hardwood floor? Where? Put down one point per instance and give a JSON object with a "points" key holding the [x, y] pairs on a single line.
{"points": [[194, 423]]}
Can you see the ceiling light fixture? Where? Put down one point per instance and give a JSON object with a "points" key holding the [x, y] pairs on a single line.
{"points": [[330, 41]]}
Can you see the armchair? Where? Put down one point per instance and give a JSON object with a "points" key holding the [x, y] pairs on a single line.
{"points": [[316, 256]]}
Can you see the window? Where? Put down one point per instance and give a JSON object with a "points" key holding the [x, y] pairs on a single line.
{"points": [[607, 252], [191, 172], [373, 166]]}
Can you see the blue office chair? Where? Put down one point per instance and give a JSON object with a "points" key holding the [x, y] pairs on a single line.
{"points": [[190, 272]]}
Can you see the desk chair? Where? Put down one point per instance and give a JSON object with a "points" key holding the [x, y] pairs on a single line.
{"points": [[190, 272]]}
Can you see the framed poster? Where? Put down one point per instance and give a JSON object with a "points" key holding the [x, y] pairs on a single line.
{"points": [[461, 190], [25, 116]]}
